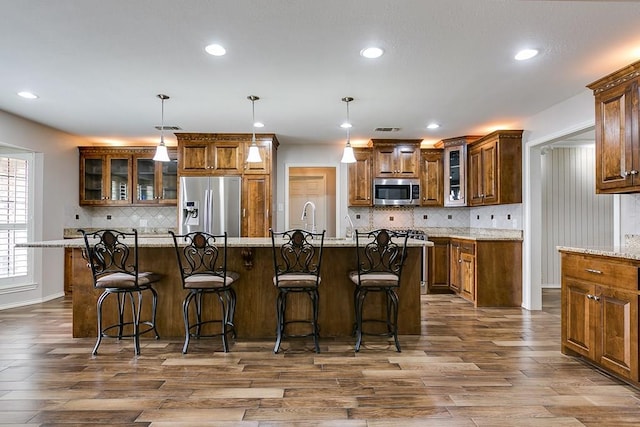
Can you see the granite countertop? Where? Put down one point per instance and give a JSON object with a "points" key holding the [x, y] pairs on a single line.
{"points": [[232, 242], [474, 233], [631, 252]]}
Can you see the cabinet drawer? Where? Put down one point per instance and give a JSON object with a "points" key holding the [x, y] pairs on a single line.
{"points": [[619, 274]]}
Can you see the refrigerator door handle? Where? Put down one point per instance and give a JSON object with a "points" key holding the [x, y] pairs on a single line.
{"points": [[207, 211]]}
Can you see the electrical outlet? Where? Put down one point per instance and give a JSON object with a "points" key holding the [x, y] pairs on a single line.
{"points": [[357, 216], [477, 216], [449, 217], [390, 218], [508, 216], [491, 216], [77, 216], [425, 216], [108, 216]]}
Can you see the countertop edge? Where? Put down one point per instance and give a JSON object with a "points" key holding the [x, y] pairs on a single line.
{"points": [[623, 252]]}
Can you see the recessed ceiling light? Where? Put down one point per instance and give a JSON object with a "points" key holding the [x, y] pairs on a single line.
{"points": [[526, 54], [372, 52], [28, 95], [433, 126], [215, 50], [258, 125]]}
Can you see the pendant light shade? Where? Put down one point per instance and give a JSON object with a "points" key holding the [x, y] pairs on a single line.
{"points": [[347, 155], [161, 151], [254, 151]]}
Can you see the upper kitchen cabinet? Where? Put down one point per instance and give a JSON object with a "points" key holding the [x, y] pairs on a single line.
{"points": [[105, 176], [202, 154], [495, 169], [126, 176], [617, 127], [396, 158], [155, 183], [455, 169], [360, 184], [431, 177]]}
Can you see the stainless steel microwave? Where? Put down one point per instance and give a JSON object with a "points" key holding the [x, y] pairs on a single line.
{"points": [[396, 192]]}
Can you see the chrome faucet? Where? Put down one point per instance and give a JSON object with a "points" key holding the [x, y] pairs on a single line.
{"points": [[350, 228], [313, 214]]}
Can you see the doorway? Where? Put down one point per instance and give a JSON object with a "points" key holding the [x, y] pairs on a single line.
{"points": [[318, 186]]}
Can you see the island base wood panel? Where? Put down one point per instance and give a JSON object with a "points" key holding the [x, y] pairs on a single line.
{"points": [[255, 310]]}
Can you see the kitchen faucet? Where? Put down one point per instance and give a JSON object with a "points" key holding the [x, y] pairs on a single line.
{"points": [[350, 228], [313, 214]]}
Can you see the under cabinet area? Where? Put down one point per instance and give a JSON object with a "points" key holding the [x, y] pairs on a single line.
{"points": [[617, 118], [126, 176], [487, 273], [600, 304]]}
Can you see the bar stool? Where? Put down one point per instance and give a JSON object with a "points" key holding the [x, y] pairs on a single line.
{"points": [[380, 262], [202, 261], [297, 256], [113, 258]]}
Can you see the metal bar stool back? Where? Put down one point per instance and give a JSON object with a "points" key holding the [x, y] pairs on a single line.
{"points": [[297, 258], [112, 256], [202, 261], [380, 255]]}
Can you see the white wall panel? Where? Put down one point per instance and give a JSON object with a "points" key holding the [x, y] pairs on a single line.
{"points": [[572, 213]]}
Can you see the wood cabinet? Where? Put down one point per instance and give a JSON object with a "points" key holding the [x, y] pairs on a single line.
{"points": [[360, 179], [495, 169], [455, 169], [221, 154], [438, 266], [600, 303], [126, 176], [617, 118], [396, 158], [431, 177], [486, 272]]}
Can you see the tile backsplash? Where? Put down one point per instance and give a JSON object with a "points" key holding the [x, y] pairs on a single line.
{"points": [[138, 217]]}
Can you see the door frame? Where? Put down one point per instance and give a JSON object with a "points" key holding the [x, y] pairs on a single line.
{"points": [[337, 196]]}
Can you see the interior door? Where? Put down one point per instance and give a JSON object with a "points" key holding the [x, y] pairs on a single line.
{"points": [[316, 185]]}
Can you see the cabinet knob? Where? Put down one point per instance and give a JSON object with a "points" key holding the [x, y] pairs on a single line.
{"points": [[633, 172]]}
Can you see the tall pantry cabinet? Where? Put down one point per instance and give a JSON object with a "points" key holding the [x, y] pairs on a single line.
{"points": [[218, 154]]}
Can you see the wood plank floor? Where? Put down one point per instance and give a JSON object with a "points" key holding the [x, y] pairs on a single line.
{"points": [[470, 367]]}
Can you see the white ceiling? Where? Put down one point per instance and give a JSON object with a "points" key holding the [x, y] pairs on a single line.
{"points": [[98, 65]]}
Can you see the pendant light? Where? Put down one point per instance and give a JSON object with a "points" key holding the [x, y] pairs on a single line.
{"points": [[254, 151], [161, 151], [347, 155]]}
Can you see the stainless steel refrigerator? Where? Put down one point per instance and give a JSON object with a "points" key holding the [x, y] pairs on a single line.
{"points": [[210, 204]]}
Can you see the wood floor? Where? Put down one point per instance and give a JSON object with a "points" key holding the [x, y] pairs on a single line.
{"points": [[470, 367]]}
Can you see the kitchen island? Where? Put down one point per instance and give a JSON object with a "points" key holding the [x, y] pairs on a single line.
{"points": [[255, 312]]}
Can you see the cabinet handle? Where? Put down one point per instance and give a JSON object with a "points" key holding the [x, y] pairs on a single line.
{"points": [[593, 297], [243, 212], [633, 172], [590, 270]]}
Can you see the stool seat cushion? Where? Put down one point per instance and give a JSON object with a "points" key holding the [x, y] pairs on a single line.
{"points": [[374, 279], [210, 281], [296, 280], [127, 281]]}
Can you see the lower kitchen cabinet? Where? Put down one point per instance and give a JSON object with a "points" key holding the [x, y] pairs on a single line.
{"points": [[487, 273], [438, 266], [600, 303]]}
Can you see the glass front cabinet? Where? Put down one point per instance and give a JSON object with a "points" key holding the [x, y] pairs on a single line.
{"points": [[455, 173], [126, 177]]}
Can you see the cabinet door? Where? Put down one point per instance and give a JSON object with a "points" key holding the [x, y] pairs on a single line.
{"points": [[483, 168], [431, 178], [616, 142], [92, 179], [144, 174], [455, 186], [227, 158], [259, 168], [578, 333], [475, 177], [468, 276], [360, 185], [438, 266], [155, 183], [195, 157], [120, 180], [407, 159], [618, 326], [385, 162], [454, 266], [168, 181], [256, 200]]}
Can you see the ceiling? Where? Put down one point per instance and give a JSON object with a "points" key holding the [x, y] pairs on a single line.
{"points": [[98, 65]]}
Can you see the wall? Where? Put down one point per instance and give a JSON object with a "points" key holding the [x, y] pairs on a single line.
{"points": [[572, 213], [56, 179]]}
